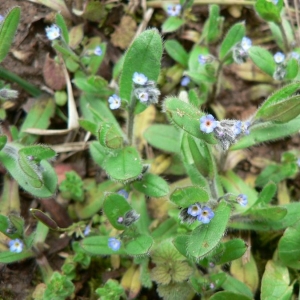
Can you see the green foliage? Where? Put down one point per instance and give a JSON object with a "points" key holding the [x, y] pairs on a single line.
{"points": [[268, 10], [59, 287], [72, 187], [112, 290], [8, 28]]}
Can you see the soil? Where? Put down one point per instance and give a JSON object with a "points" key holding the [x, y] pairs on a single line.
{"points": [[27, 58]]}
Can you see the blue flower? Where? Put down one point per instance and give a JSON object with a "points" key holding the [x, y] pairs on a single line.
{"points": [[87, 230], [246, 43], [185, 81], [114, 244], [279, 57], [114, 101], [237, 127], [139, 78], [174, 10], [203, 59], [194, 210], [15, 246], [275, 2], [242, 199], [206, 215], [208, 123], [98, 51], [123, 193], [53, 32], [143, 96], [1, 18]]}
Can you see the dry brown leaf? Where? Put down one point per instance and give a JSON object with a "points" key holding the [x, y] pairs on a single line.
{"points": [[124, 33], [53, 74]]}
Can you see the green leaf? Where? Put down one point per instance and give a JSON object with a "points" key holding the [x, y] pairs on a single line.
{"points": [[114, 207], [177, 52], [194, 65], [267, 132], [163, 137], [199, 77], [38, 117], [125, 165], [233, 36], [230, 251], [269, 11], [206, 237], [143, 56], [3, 141], [92, 84], [186, 196], [289, 247], [165, 230], [279, 95], [293, 211], [281, 111], [275, 213], [267, 194], [185, 116], [277, 34], [213, 24], [171, 24], [8, 28], [228, 296], [234, 285], [152, 186], [89, 126], [60, 22], [95, 60], [98, 153], [263, 59], [292, 68], [139, 245], [195, 152], [109, 136], [98, 245], [275, 281], [7, 257], [42, 186]]}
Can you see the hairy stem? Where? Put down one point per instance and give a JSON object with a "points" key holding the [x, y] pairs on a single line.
{"points": [[286, 45]]}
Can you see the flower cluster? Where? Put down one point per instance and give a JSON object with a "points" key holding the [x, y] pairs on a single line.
{"points": [[114, 244], [240, 51], [280, 70], [174, 10], [15, 246], [52, 32], [196, 212], [145, 90], [226, 131]]}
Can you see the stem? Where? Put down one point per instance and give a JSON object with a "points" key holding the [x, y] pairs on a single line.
{"points": [[217, 83], [45, 268], [130, 121], [284, 37]]}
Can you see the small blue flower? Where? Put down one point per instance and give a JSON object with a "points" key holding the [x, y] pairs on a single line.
{"points": [[174, 10], [98, 51], [208, 123], [123, 193], [15, 246], [185, 81], [279, 57], [114, 101], [53, 32], [246, 43], [206, 215], [242, 199], [203, 59], [237, 127], [194, 210], [1, 18], [139, 78], [87, 230], [143, 96], [114, 244], [275, 2]]}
